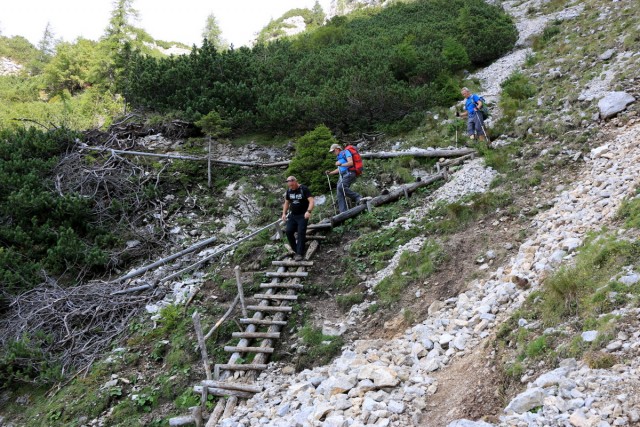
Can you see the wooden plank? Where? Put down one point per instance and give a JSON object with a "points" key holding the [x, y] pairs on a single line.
{"points": [[269, 308], [243, 367], [223, 392], [287, 274], [276, 297], [271, 335], [233, 349], [233, 386], [250, 321], [281, 285], [320, 226], [291, 263], [314, 237]]}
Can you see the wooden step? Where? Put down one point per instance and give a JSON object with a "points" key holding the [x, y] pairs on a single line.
{"points": [[223, 392], [290, 263], [287, 274], [232, 386], [243, 367], [270, 308], [281, 285], [271, 335], [234, 349], [314, 237], [262, 322], [276, 297]]}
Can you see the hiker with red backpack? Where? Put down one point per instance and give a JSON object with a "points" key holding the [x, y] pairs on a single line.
{"points": [[349, 166]]}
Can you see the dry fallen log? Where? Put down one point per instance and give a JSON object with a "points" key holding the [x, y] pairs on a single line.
{"points": [[163, 261], [419, 153], [185, 157], [402, 191]]}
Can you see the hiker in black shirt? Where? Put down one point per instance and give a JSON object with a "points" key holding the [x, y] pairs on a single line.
{"points": [[299, 201]]}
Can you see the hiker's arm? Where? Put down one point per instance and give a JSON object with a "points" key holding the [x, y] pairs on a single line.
{"points": [[312, 203], [285, 208], [333, 172]]}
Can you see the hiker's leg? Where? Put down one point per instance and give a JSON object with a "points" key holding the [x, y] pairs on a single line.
{"points": [[479, 124], [347, 180], [291, 232], [342, 203], [470, 127], [302, 231]]}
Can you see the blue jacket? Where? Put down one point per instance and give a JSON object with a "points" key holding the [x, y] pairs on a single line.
{"points": [[470, 104], [343, 158]]}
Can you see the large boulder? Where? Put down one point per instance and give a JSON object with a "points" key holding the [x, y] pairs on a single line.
{"points": [[613, 103]]}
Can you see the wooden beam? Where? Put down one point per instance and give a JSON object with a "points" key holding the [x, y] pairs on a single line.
{"points": [[243, 367], [232, 386], [270, 308], [289, 263], [421, 153], [274, 335], [250, 321], [223, 393], [281, 286], [233, 349], [276, 297], [287, 274]]}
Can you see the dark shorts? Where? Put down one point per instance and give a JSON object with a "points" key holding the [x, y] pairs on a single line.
{"points": [[475, 125]]}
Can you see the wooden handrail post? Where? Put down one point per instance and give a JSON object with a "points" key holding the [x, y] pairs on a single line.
{"points": [[240, 291], [201, 343]]}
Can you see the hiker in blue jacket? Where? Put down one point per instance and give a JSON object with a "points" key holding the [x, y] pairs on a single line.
{"points": [[344, 161], [475, 121]]}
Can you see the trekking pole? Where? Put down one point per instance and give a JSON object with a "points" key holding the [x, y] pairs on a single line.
{"points": [[486, 135], [333, 201]]}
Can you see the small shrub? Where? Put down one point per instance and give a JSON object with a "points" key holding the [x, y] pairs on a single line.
{"points": [[346, 301], [600, 360]]}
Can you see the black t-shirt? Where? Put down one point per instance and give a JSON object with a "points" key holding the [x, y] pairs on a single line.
{"points": [[298, 199]]}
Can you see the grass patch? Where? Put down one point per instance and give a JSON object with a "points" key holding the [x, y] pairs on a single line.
{"points": [[578, 290], [346, 301], [320, 349], [412, 268]]}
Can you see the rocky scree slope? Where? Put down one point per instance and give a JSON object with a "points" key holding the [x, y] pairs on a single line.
{"points": [[377, 382]]}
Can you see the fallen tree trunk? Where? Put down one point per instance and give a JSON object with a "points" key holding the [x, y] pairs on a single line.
{"points": [[184, 157], [402, 191], [419, 153], [162, 261]]}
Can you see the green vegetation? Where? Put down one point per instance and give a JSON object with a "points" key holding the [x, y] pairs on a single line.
{"points": [[372, 68], [320, 349], [39, 228], [412, 268], [313, 158]]}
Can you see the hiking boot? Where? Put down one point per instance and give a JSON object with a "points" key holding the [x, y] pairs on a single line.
{"points": [[364, 200], [298, 257]]}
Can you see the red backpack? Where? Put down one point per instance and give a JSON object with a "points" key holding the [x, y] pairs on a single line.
{"points": [[357, 160]]}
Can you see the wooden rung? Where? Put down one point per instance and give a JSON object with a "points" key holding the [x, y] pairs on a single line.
{"points": [[321, 226], [314, 237], [287, 274], [234, 349], [281, 285], [290, 263], [269, 308], [232, 386], [276, 297], [224, 392], [273, 335], [243, 367], [250, 321]]}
